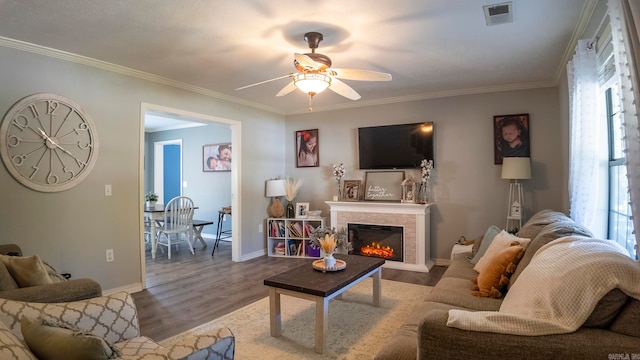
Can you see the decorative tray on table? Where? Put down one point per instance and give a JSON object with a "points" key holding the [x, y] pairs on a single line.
{"points": [[319, 265]]}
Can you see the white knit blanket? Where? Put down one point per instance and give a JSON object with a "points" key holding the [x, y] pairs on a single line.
{"points": [[558, 290]]}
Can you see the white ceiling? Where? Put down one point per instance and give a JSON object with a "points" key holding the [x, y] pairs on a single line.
{"points": [[431, 47]]}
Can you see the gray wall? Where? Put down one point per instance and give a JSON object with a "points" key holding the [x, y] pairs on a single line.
{"points": [[210, 191], [72, 229], [469, 193]]}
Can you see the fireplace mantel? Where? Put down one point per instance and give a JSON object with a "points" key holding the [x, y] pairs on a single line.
{"points": [[414, 218]]}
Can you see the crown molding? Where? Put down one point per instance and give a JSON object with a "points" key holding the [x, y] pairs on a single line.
{"points": [[432, 95], [103, 65]]}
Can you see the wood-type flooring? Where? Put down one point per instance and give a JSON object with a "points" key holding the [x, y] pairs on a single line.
{"points": [[189, 290]]}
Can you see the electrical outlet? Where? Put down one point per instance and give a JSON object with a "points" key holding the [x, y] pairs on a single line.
{"points": [[110, 255], [260, 228], [107, 190]]}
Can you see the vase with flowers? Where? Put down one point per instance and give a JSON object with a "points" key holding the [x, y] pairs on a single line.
{"points": [[426, 166], [338, 174], [291, 187], [319, 235]]}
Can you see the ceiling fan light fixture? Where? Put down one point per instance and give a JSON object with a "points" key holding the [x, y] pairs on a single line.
{"points": [[310, 83]]}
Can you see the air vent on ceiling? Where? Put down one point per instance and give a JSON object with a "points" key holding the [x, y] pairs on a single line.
{"points": [[498, 13]]}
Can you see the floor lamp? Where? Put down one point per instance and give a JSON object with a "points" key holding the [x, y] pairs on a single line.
{"points": [[515, 168], [275, 189]]}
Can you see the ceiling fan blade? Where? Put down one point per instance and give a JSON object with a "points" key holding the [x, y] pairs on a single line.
{"points": [[361, 75], [287, 89], [343, 89], [306, 61], [264, 82]]}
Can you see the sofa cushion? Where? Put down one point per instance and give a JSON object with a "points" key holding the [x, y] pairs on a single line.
{"points": [[27, 270], [627, 321], [488, 237], [495, 276], [607, 309], [548, 233], [501, 241], [11, 348], [461, 268], [404, 344], [457, 292], [49, 340], [6, 280], [538, 221]]}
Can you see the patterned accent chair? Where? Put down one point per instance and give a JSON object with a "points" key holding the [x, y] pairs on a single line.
{"points": [[113, 318]]}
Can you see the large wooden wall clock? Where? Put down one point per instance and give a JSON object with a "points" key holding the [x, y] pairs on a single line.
{"points": [[48, 142]]}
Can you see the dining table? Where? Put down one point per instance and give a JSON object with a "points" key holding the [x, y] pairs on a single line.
{"points": [[154, 214]]}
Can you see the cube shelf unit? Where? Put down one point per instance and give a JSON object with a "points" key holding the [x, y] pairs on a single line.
{"points": [[290, 237]]}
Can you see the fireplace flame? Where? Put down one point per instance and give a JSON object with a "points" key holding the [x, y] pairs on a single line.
{"points": [[375, 249]]}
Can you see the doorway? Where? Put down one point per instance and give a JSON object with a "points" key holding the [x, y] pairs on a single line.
{"points": [[235, 176]]}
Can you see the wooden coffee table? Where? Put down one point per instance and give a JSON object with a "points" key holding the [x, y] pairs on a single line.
{"points": [[306, 283]]}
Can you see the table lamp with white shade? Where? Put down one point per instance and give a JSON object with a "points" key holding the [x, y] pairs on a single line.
{"points": [[275, 189], [515, 168]]}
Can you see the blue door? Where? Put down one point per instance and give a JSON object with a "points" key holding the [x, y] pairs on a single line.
{"points": [[171, 172]]}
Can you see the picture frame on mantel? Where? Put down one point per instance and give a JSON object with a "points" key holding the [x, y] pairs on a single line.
{"points": [[351, 190], [383, 185]]}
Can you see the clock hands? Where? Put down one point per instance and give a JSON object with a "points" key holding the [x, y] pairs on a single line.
{"points": [[46, 137]]}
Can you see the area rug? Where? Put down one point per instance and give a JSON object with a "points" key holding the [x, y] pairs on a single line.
{"points": [[356, 329]]}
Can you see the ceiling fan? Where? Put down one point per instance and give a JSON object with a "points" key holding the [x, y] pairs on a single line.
{"points": [[315, 74]]}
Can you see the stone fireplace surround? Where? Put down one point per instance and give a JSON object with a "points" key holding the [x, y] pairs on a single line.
{"points": [[414, 218]]}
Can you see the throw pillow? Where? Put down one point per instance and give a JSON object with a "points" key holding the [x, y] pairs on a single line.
{"points": [[496, 275], [491, 233], [51, 341], [27, 270], [501, 241], [6, 280], [53, 274]]}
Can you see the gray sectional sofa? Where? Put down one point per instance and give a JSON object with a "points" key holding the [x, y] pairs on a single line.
{"points": [[61, 290], [613, 329]]}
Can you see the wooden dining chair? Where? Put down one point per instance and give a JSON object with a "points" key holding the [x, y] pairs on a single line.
{"points": [[178, 220]]}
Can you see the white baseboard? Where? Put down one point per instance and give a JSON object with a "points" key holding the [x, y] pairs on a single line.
{"points": [[253, 255]]}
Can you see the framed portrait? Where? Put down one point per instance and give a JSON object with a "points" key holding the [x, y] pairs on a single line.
{"points": [[383, 185], [216, 157], [511, 136], [302, 209], [307, 150], [351, 190]]}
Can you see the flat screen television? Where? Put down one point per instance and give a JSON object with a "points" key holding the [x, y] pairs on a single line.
{"points": [[395, 146]]}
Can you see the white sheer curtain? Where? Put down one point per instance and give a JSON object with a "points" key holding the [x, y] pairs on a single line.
{"points": [[626, 52], [588, 188]]}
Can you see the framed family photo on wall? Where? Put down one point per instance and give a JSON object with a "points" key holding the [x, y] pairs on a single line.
{"points": [[307, 151], [216, 157], [511, 136]]}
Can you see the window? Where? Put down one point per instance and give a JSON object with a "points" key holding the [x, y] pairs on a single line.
{"points": [[620, 226]]}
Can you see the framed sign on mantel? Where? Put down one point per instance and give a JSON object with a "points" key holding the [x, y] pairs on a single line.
{"points": [[383, 185]]}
